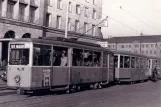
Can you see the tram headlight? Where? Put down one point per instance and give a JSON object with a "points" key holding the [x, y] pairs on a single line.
{"points": [[17, 78]]}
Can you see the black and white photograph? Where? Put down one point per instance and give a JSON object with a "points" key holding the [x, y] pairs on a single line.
{"points": [[80, 53]]}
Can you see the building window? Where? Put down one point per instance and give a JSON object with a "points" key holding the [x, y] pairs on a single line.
{"points": [[122, 46], [69, 24], [94, 15], [70, 6], [48, 20], [136, 45], [151, 45], [49, 2], [93, 30], [155, 52], [78, 9], [58, 22], [10, 8], [21, 12], [76, 25], [60, 4], [85, 27], [32, 14], [94, 2], [87, 1], [0, 5], [129, 46], [147, 45], [142, 45], [86, 12], [151, 52]]}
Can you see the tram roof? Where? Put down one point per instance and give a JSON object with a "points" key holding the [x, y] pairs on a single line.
{"points": [[154, 57], [128, 53], [49, 40]]}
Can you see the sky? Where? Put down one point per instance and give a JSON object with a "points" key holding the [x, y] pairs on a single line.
{"points": [[131, 17]]}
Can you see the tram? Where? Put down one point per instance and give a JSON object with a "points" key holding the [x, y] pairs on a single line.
{"points": [[130, 67], [154, 62], [57, 64]]}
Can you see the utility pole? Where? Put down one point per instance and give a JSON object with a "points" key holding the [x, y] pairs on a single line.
{"points": [[141, 34], [67, 16]]}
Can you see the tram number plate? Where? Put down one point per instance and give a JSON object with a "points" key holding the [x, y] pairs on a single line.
{"points": [[17, 46]]}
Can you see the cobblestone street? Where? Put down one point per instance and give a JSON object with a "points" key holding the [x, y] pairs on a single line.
{"points": [[146, 94]]}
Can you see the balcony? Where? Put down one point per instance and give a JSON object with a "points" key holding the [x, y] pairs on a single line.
{"points": [[23, 2], [9, 15], [33, 3], [33, 20], [14, 1], [21, 18]]}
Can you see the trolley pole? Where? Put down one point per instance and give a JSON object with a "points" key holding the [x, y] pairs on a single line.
{"points": [[67, 15]]}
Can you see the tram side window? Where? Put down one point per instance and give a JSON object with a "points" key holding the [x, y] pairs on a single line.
{"points": [[116, 61], [19, 57], [126, 62], [149, 63], [97, 59], [77, 57], [145, 63], [142, 63], [105, 61], [42, 55], [88, 58], [121, 62], [60, 56], [137, 63], [133, 62]]}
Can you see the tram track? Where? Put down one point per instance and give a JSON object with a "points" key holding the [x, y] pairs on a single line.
{"points": [[58, 98], [93, 98]]}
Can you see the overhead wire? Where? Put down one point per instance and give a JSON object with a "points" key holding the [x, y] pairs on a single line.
{"points": [[139, 19], [125, 25]]}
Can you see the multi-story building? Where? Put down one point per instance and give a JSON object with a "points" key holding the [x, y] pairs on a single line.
{"points": [[147, 45], [39, 18]]}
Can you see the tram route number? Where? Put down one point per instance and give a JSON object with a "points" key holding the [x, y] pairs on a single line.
{"points": [[46, 79]]}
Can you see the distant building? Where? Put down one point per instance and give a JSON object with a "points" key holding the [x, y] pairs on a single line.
{"points": [[147, 45], [38, 18]]}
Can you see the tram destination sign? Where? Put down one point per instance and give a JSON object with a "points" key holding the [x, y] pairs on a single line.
{"points": [[18, 46]]}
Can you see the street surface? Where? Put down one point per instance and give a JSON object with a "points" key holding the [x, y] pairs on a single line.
{"points": [[147, 94]]}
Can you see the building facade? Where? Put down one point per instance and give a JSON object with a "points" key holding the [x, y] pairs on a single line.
{"points": [[146, 45], [46, 18]]}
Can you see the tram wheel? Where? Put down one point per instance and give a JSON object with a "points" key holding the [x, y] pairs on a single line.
{"points": [[78, 88], [68, 91], [99, 86], [95, 85], [91, 86], [20, 91]]}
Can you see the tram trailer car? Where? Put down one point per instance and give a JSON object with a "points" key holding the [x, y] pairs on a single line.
{"points": [[130, 67], [154, 62], [38, 64]]}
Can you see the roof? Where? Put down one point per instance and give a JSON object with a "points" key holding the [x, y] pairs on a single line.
{"points": [[50, 40], [129, 53], [130, 39], [62, 41]]}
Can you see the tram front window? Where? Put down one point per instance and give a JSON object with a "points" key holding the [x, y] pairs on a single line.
{"points": [[19, 57]]}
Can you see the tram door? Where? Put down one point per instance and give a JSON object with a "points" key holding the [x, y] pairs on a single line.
{"points": [[5, 50], [150, 67]]}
